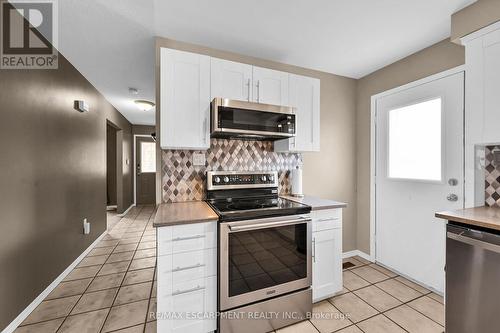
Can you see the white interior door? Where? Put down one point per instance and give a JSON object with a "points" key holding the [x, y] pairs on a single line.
{"points": [[419, 171]]}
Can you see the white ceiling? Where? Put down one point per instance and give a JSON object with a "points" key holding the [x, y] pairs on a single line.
{"points": [[111, 41], [111, 50]]}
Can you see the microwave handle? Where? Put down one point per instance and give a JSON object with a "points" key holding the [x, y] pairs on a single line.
{"points": [[256, 226]]}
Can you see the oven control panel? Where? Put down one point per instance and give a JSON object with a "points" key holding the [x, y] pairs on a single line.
{"points": [[225, 180]]}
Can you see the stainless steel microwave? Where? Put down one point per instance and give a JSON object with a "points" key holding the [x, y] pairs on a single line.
{"points": [[232, 118]]}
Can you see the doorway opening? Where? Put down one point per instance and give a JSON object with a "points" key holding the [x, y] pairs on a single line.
{"points": [[417, 170], [111, 188], [145, 169], [114, 182]]}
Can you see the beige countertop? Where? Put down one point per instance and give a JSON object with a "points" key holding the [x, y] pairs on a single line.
{"points": [[316, 203], [486, 217], [183, 212]]}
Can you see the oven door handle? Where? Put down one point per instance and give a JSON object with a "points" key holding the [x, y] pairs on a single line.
{"points": [[264, 225]]}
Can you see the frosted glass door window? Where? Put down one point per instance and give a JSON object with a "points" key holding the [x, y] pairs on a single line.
{"points": [[415, 147], [148, 157]]}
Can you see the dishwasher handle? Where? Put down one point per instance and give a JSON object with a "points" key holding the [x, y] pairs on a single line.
{"points": [[474, 242]]}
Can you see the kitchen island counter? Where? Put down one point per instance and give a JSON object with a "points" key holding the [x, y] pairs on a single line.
{"points": [[484, 217]]}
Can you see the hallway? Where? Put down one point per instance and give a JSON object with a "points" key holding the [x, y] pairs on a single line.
{"points": [[112, 288]]}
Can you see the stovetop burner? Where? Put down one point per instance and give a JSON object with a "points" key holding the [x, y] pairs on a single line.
{"points": [[229, 205], [248, 195]]}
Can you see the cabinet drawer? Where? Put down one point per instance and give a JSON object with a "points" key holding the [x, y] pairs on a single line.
{"points": [[324, 235], [326, 219], [178, 268], [187, 237], [194, 304]]}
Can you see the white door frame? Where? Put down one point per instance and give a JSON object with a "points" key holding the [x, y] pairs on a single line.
{"points": [[135, 164], [373, 118]]}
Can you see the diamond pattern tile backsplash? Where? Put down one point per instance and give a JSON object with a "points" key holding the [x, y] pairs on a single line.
{"points": [[492, 177], [182, 181]]}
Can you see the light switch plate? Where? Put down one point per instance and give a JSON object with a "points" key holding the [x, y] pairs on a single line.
{"points": [[199, 159]]}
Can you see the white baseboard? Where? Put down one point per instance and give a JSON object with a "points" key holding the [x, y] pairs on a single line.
{"points": [[26, 312], [354, 253], [126, 211]]}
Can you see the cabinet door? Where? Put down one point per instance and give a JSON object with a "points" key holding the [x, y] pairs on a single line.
{"points": [[327, 263], [184, 100], [305, 96], [482, 105], [270, 86], [231, 80], [192, 303]]}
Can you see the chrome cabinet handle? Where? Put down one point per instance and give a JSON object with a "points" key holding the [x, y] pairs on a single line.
{"points": [[180, 292], [187, 238], [328, 219], [452, 197], [258, 91], [314, 249], [178, 269], [205, 130], [248, 90]]}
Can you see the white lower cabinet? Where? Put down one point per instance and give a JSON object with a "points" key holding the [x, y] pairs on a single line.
{"points": [[327, 253], [187, 278]]}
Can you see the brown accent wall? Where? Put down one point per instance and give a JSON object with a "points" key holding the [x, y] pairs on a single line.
{"points": [[331, 173], [53, 175], [434, 59], [474, 17], [143, 129]]}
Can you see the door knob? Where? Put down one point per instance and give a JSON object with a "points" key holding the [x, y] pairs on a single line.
{"points": [[452, 182], [452, 197]]}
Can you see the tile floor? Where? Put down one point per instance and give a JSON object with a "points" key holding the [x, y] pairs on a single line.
{"points": [[375, 300], [113, 289]]}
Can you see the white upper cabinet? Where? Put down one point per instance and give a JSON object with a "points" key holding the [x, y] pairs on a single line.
{"points": [[184, 100], [231, 80], [482, 105], [270, 86], [305, 96], [189, 82], [482, 86]]}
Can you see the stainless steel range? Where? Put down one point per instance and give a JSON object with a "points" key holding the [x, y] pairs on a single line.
{"points": [[264, 266]]}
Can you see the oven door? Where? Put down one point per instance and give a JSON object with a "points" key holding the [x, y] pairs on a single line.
{"points": [[237, 118], [264, 258]]}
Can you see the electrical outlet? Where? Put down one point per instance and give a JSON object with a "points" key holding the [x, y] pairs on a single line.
{"points": [[199, 159], [86, 227]]}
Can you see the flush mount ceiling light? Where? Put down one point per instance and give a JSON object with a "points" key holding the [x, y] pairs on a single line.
{"points": [[143, 104]]}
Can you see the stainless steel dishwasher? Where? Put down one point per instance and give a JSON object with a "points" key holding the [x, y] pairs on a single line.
{"points": [[472, 281]]}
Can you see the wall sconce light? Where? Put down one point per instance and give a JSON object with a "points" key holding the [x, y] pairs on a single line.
{"points": [[81, 106]]}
